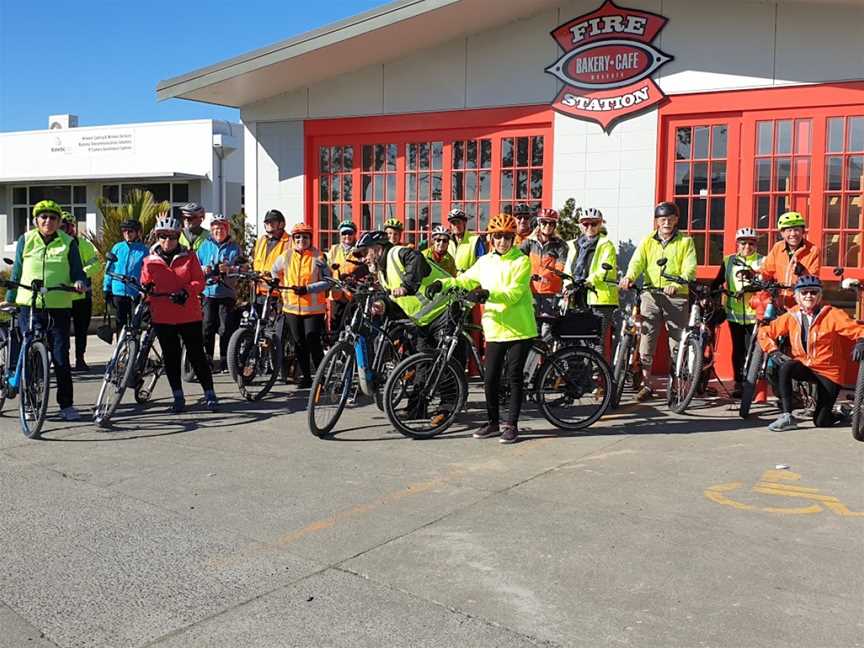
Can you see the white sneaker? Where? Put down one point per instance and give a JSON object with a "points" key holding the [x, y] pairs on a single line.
{"points": [[784, 422], [70, 414]]}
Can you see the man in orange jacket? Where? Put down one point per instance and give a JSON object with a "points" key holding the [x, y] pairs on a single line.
{"points": [[814, 330], [792, 257]]}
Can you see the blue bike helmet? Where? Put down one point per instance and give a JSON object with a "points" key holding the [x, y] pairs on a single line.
{"points": [[808, 281]]}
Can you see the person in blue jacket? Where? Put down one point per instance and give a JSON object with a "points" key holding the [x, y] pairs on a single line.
{"points": [[130, 253], [218, 255]]}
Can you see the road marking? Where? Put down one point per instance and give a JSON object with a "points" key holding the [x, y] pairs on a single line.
{"points": [[769, 484]]}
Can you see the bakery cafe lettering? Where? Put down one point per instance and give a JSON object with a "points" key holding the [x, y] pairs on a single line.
{"points": [[607, 64]]}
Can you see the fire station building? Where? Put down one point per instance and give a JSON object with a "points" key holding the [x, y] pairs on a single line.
{"points": [[736, 110]]}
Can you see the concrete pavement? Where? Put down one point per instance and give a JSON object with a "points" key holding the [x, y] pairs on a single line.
{"points": [[242, 529]]}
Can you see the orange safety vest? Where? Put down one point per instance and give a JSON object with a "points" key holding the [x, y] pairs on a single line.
{"points": [[337, 255], [780, 266], [302, 269], [262, 261]]}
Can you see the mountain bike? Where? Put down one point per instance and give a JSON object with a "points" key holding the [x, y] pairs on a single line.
{"points": [[134, 361], [360, 360], [31, 378], [694, 359]]}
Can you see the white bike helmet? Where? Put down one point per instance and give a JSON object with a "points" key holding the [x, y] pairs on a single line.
{"points": [[591, 214], [440, 230], [167, 223], [745, 233]]}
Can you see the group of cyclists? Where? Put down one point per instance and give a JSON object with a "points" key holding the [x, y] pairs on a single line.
{"points": [[517, 269]]}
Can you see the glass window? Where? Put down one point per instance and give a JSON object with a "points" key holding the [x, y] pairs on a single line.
{"points": [[19, 196], [79, 194], [61, 194], [181, 192], [111, 193], [844, 180]]}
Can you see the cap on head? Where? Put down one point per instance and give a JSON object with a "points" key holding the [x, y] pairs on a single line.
{"points": [[273, 214], [790, 219], [131, 224], [808, 281], [47, 206], [666, 208]]}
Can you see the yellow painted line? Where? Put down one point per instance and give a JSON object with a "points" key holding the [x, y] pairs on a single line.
{"points": [[788, 487], [804, 510], [715, 494], [840, 509], [784, 493]]}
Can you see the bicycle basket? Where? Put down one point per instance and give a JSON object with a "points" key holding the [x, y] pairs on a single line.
{"points": [[578, 324]]}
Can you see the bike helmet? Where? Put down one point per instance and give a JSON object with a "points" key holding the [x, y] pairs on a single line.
{"points": [[274, 214], [165, 222], [456, 214], [666, 208], [68, 218], [347, 226], [301, 228], [591, 214], [220, 219], [192, 208], [790, 219], [522, 210], [440, 231], [393, 223], [47, 206], [745, 233], [131, 224], [548, 214], [502, 223], [808, 281], [375, 237]]}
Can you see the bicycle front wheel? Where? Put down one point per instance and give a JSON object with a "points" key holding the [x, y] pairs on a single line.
{"points": [[622, 362], [256, 366], [858, 406], [752, 373], [4, 365], [330, 389], [424, 394], [35, 384], [574, 388], [118, 374], [684, 380], [149, 369]]}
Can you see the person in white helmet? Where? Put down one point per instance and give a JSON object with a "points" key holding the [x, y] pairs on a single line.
{"points": [[740, 315]]}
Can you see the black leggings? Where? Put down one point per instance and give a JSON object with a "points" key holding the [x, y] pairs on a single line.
{"points": [[306, 332], [193, 339], [219, 317], [740, 334], [826, 391], [495, 356]]}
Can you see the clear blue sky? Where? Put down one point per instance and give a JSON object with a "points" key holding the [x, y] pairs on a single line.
{"points": [[101, 59]]}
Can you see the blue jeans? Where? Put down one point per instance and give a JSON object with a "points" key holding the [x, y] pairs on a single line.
{"points": [[56, 323]]}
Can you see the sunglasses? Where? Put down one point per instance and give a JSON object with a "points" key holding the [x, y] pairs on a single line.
{"points": [[48, 216], [811, 292], [168, 237], [747, 242], [300, 237], [522, 217], [590, 223], [547, 223], [497, 236]]}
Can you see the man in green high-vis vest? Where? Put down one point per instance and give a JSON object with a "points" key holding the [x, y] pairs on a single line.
{"points": [[82, 303], [50, 255]]}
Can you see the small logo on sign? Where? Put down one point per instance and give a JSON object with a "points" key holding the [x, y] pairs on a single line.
{"points": [[607, 63]]}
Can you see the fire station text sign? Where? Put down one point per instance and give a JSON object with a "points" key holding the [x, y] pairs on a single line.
{"points": [[607, 64]]}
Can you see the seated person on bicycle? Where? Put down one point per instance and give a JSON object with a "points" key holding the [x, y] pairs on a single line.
{"points": [[667, 303], [50, 255], [814, 330], [547, 252], [130, 253], [586, 257], [739, 314], [219, 255], [792, 257], [502, 280], [305, 270]]}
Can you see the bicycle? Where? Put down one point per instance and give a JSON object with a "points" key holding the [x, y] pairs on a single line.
{"points": [[625, 361], [360, 360], [695, 354], [134, 360], [558, 376], [858, 402], [255, 350], [31, 379]]}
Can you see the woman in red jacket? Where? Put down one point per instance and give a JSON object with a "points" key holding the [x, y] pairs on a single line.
{"points": [[174, 271]]}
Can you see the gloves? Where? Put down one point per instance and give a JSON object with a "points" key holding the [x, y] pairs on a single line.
{"points": [[433, 289], [858, 351], [300, 290], [179, 298], [480, 295], [779, 358]]}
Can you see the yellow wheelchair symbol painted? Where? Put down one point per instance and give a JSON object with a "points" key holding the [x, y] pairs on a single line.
{"points": [[772, 484]]}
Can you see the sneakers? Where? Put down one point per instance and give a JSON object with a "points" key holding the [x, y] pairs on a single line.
{"points": [[81, 366], [210, 400], [487, 431], [784, 422], [69, 414], [645, 393], [509, 433]]}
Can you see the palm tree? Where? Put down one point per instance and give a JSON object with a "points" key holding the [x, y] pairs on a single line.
{"points": [[139, 205]]}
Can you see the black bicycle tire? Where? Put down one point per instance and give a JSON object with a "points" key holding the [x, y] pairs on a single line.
{"points": [[550, 363], [276, 354], [684, 403], [377, 371], [858, 406], [752, 370], [322, 431], [33, 431], [186, 368], [619, 373], [4, 370], [390, 387], [102, 417]]}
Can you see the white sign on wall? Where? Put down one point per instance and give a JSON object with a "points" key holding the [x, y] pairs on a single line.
{"points": [[90, 143]]}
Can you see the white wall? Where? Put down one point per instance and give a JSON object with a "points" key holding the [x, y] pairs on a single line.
{"points": [[280, 180]]}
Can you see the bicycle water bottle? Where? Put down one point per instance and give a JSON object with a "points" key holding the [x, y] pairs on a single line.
{"points": [[364, 372]]}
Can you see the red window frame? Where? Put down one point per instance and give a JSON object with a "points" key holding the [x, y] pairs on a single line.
{"points": [[744, 110], [494, 124]]}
